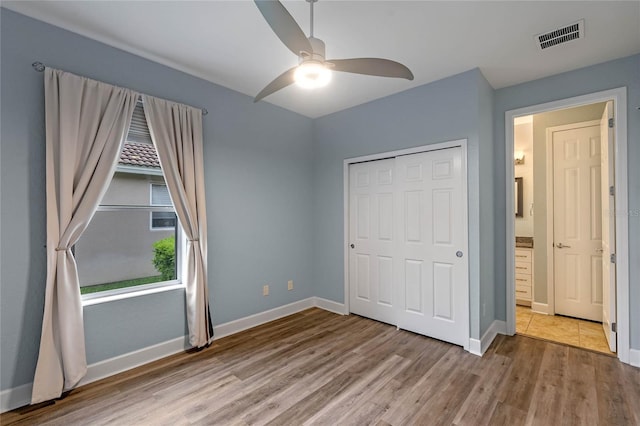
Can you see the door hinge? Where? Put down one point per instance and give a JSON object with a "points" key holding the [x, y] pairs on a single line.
{"points": [[612, 258], [612, 190], [614, 327], [611, 123]]}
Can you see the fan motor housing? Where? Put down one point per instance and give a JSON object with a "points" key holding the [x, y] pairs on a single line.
{"points": [[318, 53]]}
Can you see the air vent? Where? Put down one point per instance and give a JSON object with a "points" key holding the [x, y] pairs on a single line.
{"points": [[570, 32]]}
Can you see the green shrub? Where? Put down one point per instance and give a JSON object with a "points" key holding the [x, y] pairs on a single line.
{"points": [[164, 257]]}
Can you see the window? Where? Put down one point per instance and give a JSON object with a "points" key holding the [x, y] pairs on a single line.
{"points": [[162, 220], [119, 251]]}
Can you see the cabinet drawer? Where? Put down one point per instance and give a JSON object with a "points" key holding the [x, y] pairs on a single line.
{"points": [[523, 267], [523, 255], [523, 280], [523, 292]]}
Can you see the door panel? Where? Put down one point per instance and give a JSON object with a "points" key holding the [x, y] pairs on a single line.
{"points": [[607, 144], [371, 222], [443, 288], [413, 286], [385, 280], [434, 278], [577, 222]]}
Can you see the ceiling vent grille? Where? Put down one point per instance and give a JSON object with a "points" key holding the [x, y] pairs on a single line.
{"points": [[570, 32]]}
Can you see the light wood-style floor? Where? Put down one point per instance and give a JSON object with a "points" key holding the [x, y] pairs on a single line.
{"points": [[316, 367]]}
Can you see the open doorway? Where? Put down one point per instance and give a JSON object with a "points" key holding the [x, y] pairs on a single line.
{"points": [[562, 167]]}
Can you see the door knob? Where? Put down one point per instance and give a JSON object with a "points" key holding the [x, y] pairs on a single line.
{"points": [[560, 245], [459, 253], [353, 246], [599, 250]]}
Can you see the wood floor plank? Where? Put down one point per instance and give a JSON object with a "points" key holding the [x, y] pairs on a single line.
{"points": [[402, 410], [580, 401], [341, 408], [321, 368], [611, 376], [507, 415], [476, 410], [517, 389], [547, 396]]}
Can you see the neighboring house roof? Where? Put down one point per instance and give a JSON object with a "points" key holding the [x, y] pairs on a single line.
{"points": [[139, 154]]}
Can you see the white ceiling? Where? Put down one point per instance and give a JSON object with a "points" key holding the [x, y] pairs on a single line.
{"points": [[229, 43]]}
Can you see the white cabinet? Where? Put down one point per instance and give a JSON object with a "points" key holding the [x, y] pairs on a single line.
{"points": [[524, 276]]}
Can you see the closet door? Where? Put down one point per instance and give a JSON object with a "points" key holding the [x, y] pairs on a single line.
{"points": [[371, 229], [431, 274]]}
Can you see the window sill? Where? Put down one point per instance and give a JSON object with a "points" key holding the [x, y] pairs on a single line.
{"points": [[97, 300]]}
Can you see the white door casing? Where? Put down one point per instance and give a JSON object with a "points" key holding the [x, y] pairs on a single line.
{"points": [[431, 273], [577, 222], [619, 98], [371, 219], [408, 264], [607, 151]]}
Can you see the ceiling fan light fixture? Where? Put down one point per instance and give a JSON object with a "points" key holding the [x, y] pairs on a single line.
{"points": [[312, 75]]}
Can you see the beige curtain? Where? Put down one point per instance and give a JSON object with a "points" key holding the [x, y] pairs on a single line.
{"points": [[86, 122], [176, 131]]}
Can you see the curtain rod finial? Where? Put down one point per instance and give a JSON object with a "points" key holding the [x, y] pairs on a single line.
{"points": [[204, 111], [38, 66]]}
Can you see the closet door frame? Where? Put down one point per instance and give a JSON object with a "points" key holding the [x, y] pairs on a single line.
{"points": [[461, 143]]}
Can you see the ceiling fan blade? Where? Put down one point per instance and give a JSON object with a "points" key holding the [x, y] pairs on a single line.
{"points": [[282, 81], [372, 66], [283, 24]]}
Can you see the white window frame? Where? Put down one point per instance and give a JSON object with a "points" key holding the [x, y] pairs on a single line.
{"points": [[144, 289]]}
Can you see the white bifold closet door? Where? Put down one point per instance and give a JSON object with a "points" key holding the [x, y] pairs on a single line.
{"points": [[407, 231], [371, 226]]}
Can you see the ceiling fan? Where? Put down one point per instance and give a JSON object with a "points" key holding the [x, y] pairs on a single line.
{"points": [[313, 69]]}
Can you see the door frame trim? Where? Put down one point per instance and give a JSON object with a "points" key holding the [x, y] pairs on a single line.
{"points": [[619, 98], [551, 295], [461, 143]]}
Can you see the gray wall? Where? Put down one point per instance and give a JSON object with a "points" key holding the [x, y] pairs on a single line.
{"points": [[118, 245], [259, 198], [540, 124], [459, 107], [609, 75]]}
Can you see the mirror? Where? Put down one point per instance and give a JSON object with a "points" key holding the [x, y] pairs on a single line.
{"points": [[518, 197]]}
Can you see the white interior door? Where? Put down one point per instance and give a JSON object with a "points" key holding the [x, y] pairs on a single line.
{"points": [[577, 222], [431, 268], [608, 226], [371, 257]]}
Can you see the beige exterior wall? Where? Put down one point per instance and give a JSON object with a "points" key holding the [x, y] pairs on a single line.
{"points": [[118, 245]]}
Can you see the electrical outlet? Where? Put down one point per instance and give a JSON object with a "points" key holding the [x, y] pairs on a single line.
{"points": [[290, 285], [265, 290]]}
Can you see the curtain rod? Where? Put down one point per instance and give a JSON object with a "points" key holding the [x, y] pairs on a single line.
{"points": [[39, 67]]}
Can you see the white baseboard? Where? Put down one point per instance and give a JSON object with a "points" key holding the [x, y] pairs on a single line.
{"points": [[236, 326], [21, 395], [479, 347], [15, 397], [634, 357], [124, 362], [330, 305], [540, 308]]}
